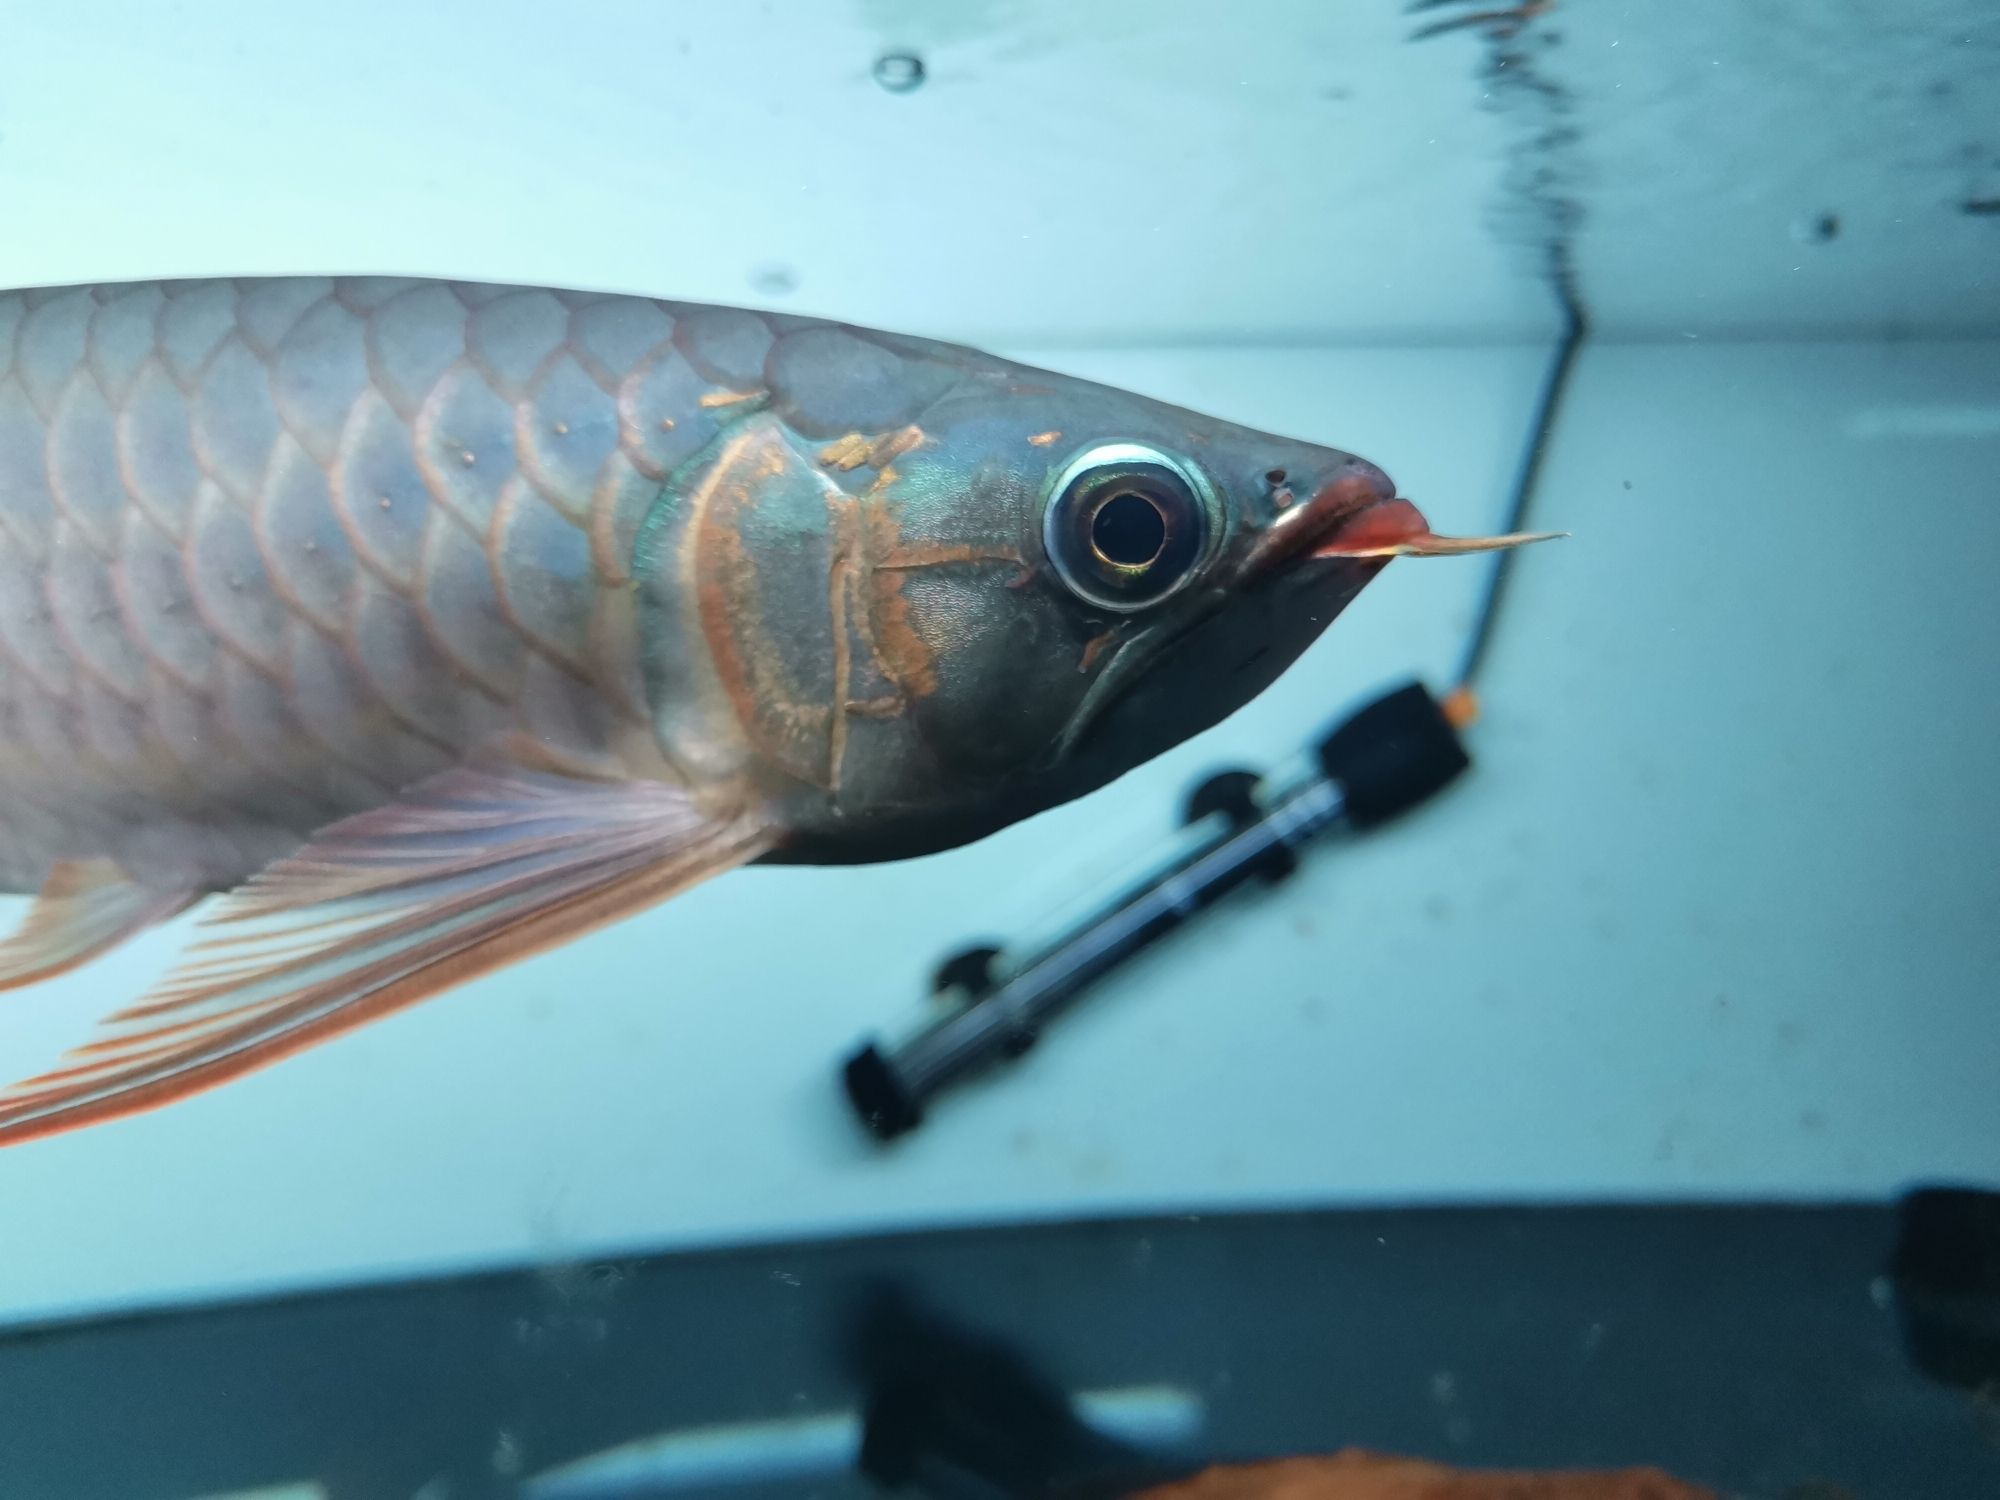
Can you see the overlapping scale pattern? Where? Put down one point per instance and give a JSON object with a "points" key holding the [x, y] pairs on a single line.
{"points": [[269, 549]]}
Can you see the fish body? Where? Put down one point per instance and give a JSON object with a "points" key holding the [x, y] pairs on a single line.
{"points": [[432, 623], [270, 551]]}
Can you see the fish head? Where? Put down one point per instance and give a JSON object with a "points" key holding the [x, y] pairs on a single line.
{"points": [[1039, 583]]}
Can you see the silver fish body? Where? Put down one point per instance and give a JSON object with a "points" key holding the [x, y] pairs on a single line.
{"points": [[438, 622], [272, 550]]}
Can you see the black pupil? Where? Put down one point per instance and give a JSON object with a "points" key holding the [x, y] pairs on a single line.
{"points": [[1128, 531]]}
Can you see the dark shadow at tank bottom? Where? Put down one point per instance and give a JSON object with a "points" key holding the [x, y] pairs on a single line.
{"points": [[1761, 1350]]}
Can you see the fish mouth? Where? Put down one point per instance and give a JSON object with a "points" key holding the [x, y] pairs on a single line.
{"points": [[1331, 545], [1359, 516]]}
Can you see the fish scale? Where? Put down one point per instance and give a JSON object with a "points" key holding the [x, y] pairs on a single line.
{"points": [[284, 522]]}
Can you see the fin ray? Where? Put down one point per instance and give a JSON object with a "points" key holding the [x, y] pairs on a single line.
{"points": [[476, 869], [86, 908]]}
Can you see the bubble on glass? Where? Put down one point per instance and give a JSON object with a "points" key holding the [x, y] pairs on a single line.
{"points": [[899, 72]]}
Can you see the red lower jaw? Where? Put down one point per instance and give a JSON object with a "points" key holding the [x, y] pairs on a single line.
{"points": [[1379, 530], [1358, 518], [1396, 528]]}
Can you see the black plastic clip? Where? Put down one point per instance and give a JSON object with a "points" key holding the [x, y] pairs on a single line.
{"points": [[1233, 794]]}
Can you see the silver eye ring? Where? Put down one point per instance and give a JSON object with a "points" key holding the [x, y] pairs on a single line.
{"points": [[1126, 525]]}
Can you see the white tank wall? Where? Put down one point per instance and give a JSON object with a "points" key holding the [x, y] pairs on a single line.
{"points": [[1714, 916]]}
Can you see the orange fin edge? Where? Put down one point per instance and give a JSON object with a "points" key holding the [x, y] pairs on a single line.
{"points": [[470, 873]]}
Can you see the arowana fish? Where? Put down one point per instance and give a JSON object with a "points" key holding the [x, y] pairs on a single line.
{"points": [[431, 624]]}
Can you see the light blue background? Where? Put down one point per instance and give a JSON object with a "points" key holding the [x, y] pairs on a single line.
{"points": [[1716, 914]]}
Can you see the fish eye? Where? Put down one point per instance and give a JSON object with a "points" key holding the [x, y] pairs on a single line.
{"points": [[1126, 526]]}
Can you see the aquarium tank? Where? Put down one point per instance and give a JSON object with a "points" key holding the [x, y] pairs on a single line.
{"points": [[999, 748]]}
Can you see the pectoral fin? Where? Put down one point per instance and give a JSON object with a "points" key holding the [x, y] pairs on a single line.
{"points": [[471, 871], [85, 907]]}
